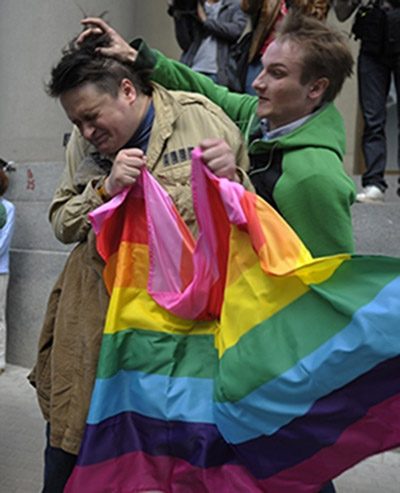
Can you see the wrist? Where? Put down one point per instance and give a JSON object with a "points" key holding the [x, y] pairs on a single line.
{"points": [[131, 55], [239, 176], [102, 191]]}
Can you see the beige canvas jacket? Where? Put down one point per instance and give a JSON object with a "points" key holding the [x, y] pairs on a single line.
{"points": [[71, 335]]}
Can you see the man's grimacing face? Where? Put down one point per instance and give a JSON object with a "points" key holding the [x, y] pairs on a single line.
{"points": [[107, 122], [282, 98]]}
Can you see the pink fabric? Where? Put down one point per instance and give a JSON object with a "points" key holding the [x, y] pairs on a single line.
{"points": [[102, 213], [165, 240], [193, 300], [165, 280]]}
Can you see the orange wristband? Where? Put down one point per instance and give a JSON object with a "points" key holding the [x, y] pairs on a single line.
{"points": [[101, 191]]}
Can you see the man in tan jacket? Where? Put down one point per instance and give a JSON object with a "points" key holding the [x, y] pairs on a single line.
{"points": [[122, 123]]}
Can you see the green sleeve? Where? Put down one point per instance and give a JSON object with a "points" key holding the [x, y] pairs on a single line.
{"points": [[3, 216], [174, 75]]}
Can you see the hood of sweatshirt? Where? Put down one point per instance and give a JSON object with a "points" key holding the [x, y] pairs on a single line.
{"points": [[325, 129]]}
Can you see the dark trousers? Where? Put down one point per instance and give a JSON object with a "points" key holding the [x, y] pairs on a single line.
{"points": [[328, 488], [58, 466], [374, 77]]}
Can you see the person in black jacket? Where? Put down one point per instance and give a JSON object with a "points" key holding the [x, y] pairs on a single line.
{"points": [[377, 25], [205, 31]]}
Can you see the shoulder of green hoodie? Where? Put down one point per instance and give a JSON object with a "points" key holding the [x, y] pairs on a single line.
{"points": [[314, 193], [174, 75]]}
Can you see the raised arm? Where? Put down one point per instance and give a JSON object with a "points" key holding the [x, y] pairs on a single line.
{"points": [[227, 30]]}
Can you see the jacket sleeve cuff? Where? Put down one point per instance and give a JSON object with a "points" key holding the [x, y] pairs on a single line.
{"points": [[146, 58], [244, 179]]}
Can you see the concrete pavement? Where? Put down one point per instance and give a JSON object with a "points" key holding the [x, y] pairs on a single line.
{"points": [[377, 230], [21, 434], [377, 227]]}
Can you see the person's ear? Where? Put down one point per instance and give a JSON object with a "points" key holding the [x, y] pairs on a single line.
{"points": [[318, 88], [128, 90]]}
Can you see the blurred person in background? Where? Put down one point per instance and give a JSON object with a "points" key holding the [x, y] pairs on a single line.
{"points": [[377, 25], [206, 31], [6, 233], [265, 16], [315, 8], [3, 216]]}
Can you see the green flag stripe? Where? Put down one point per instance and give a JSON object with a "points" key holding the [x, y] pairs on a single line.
{"points": [[157, 352]]}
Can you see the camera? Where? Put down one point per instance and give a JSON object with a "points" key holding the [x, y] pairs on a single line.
{"points": [[185, 5]]}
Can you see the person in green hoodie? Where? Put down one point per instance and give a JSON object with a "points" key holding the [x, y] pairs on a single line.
{"points": [[295, 134]]}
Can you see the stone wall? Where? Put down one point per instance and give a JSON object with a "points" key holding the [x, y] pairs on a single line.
{"points": [[36, 257]]}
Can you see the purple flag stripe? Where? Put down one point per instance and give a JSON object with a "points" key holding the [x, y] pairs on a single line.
{"points": [[200, 444]]}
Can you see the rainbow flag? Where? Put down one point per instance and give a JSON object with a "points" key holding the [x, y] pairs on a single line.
{"points": [[236, 362]]}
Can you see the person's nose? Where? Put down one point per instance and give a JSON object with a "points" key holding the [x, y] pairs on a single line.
{"points": [[259, 82], [87, 131]]}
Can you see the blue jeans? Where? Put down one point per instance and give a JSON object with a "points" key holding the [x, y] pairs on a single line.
{"points": [[58, 466], [253, 70], [213, 77], [374, 77]]}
